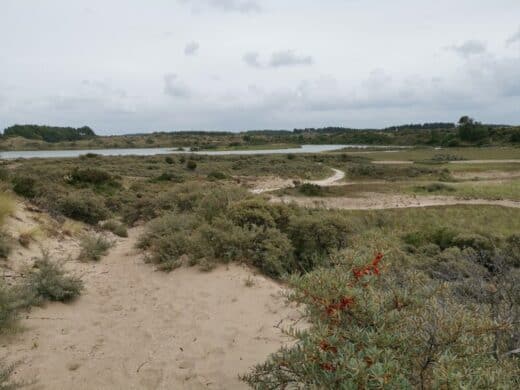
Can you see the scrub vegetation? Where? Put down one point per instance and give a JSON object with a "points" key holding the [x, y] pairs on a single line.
{"points": [[407, 298]]}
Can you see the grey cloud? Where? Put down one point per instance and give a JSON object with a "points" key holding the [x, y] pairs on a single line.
{"points": [[289, 58], [278, 59], [175, 88], [251, 59], [191, 48], [469, 48], [241, 6], [514, 38]]}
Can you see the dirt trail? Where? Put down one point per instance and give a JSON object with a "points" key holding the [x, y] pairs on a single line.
{"points": [[134, 328], [329, 181], [378, 201], [275, 183], [398, 162]]}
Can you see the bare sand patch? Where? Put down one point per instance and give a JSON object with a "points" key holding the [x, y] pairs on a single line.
{"points": [[378, 201], [135, 328], [272, 183]]}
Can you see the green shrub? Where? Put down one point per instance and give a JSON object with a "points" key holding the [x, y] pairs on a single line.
{"points": [[435, 187], [372, 329], [475, 241], [93, 247], [443, 237], [6, 371], [217, 175], [7, 207], [5, 245], [309, 189], [8, 306], [512, 250], [25, 186], [169, 176], [316, 237], [272, 252], [258, 212], [218, 201], [91, 176], [169, 160], [191, 165], [83, 206], [115, 227], [49, 281]]}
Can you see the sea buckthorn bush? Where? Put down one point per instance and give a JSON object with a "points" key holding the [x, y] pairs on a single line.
{"points": [[376, 328]]}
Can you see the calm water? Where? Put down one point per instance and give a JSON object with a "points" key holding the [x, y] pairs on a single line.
{"points": [[155, 151]]}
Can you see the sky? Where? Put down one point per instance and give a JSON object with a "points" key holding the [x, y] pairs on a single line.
{"points": [[127, 66]]}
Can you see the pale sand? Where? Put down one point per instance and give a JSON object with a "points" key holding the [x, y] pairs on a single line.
{"points": [[135, 328], [378, 201], [273, 183], [398, 162]]}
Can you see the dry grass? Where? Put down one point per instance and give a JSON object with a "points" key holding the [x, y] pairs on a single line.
{"points": [[7, 206]]}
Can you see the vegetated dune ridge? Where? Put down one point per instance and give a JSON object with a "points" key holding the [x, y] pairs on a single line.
{"points": [[134, 328]]}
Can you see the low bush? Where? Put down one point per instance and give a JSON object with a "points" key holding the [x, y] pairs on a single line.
{"points": [[316, 237], [90, 176], [191, 165], [7, 207], [376, 328], [93, 247], [8, 306], [475, 241], [83, 206], [217, 175], [447, 157], [5, 245], [309, 189], [259, 212], [443, 237], [25, 186], [6, 382], [169, 176], [435, 187], [115, 227], [49, 281]]}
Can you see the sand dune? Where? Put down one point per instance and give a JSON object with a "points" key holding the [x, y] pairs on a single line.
{"points": [[134, 328]]}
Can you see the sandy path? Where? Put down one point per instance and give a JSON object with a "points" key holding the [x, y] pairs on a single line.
{"points": [[378, 201], [134, 328], [329, 181], [274, 183], [397, 162]]}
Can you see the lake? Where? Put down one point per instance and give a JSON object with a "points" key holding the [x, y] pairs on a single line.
{"points": [[10, 155]]}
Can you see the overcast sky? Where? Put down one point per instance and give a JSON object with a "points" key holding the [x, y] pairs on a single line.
{"points": [[124, 66]]}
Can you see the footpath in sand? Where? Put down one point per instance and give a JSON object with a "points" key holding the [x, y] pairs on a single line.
{"points": [[378, 201], [276, 183], [134, 328], [369, 200]]}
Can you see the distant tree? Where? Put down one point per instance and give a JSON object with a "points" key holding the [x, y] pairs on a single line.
{"points": [[471, 130], [49, 133]]}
